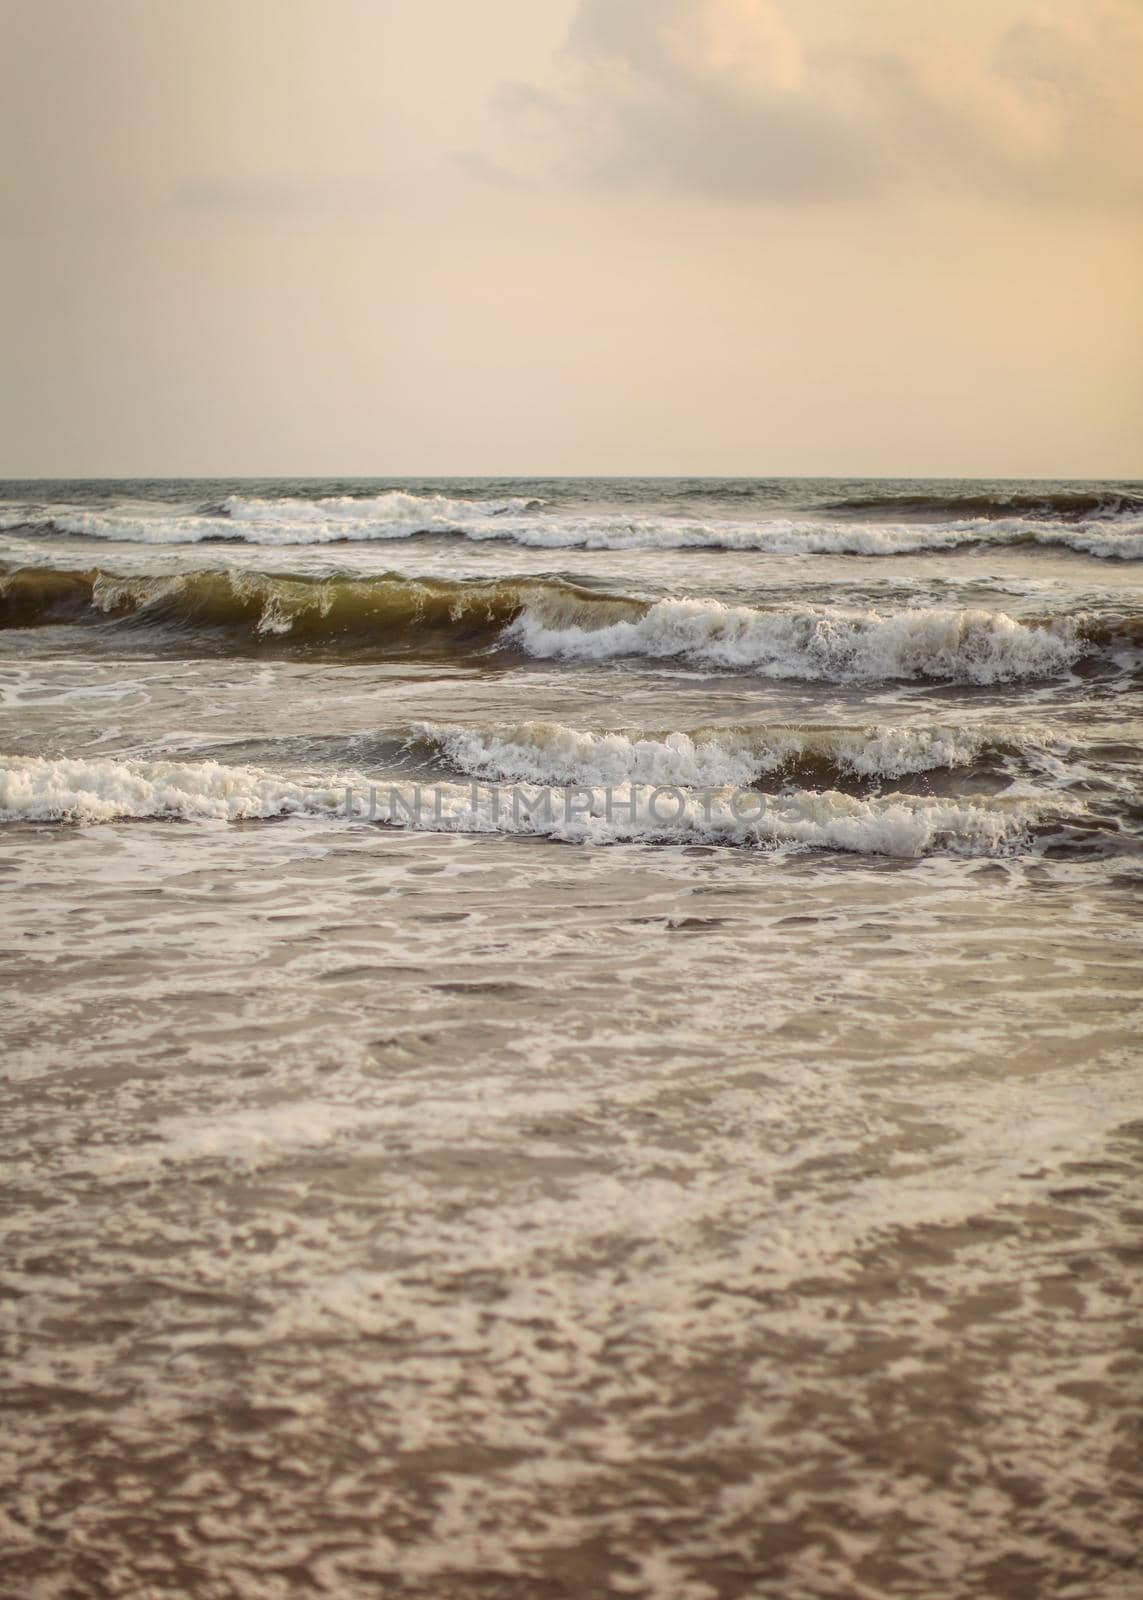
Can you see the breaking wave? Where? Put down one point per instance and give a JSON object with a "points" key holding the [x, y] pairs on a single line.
{"points": [[816, 642], [551, 619], [34, 788], [1106, 525], [286, 521], [738, 756], [361, 614]]}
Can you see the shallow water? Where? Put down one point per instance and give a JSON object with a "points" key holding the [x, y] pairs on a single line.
{"points": [[471, 1212]]}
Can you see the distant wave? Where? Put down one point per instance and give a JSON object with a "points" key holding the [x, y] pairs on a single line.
{"points": [[286, 521], [720, 490], [1106, 526], [1054, 505], [549, 619]]}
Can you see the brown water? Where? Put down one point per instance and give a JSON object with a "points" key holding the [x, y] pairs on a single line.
{"points": [[457, 1213]]}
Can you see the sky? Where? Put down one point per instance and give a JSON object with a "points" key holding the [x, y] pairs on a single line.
{"points": [[430, 237]]}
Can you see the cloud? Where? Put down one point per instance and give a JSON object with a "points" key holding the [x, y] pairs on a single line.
{"points": [[714, 95], [727, 98]]}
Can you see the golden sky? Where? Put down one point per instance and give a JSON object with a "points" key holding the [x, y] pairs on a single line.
{"points": [[572, 236]]}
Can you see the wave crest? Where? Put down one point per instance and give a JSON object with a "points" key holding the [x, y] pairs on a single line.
{"points": [[266, 608], [965, 646], [1101, 524], [551, 619], [1073, 505], [34, 788], [552, 753]]}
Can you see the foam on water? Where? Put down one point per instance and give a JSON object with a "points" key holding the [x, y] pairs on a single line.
{"points": [[550, 618], [820, 642], [531, 522], [34, 788], [677, 1220], [550, 752]]}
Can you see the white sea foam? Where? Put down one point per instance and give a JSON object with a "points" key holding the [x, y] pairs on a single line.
{"points": [[43, 789], [159, 525], [775, 536], [289, 521], [551, 753], [394, 515], [1110, 544], [399, 514], [83, 791], [820, 642]]}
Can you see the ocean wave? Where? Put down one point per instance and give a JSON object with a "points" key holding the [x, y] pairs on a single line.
{"points": [[788, 537], [817, 642], [287, 609], [78, 791], [396, 512], [904, 529], [552, 619], [552, 753], [335, 519], [1121, 545], [1078, 504]]}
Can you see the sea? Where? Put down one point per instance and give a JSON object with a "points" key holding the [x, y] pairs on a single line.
{"points": [[571, 1038]]}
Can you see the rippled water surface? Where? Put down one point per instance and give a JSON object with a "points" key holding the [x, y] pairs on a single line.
{"points": [[598, 1202]]}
